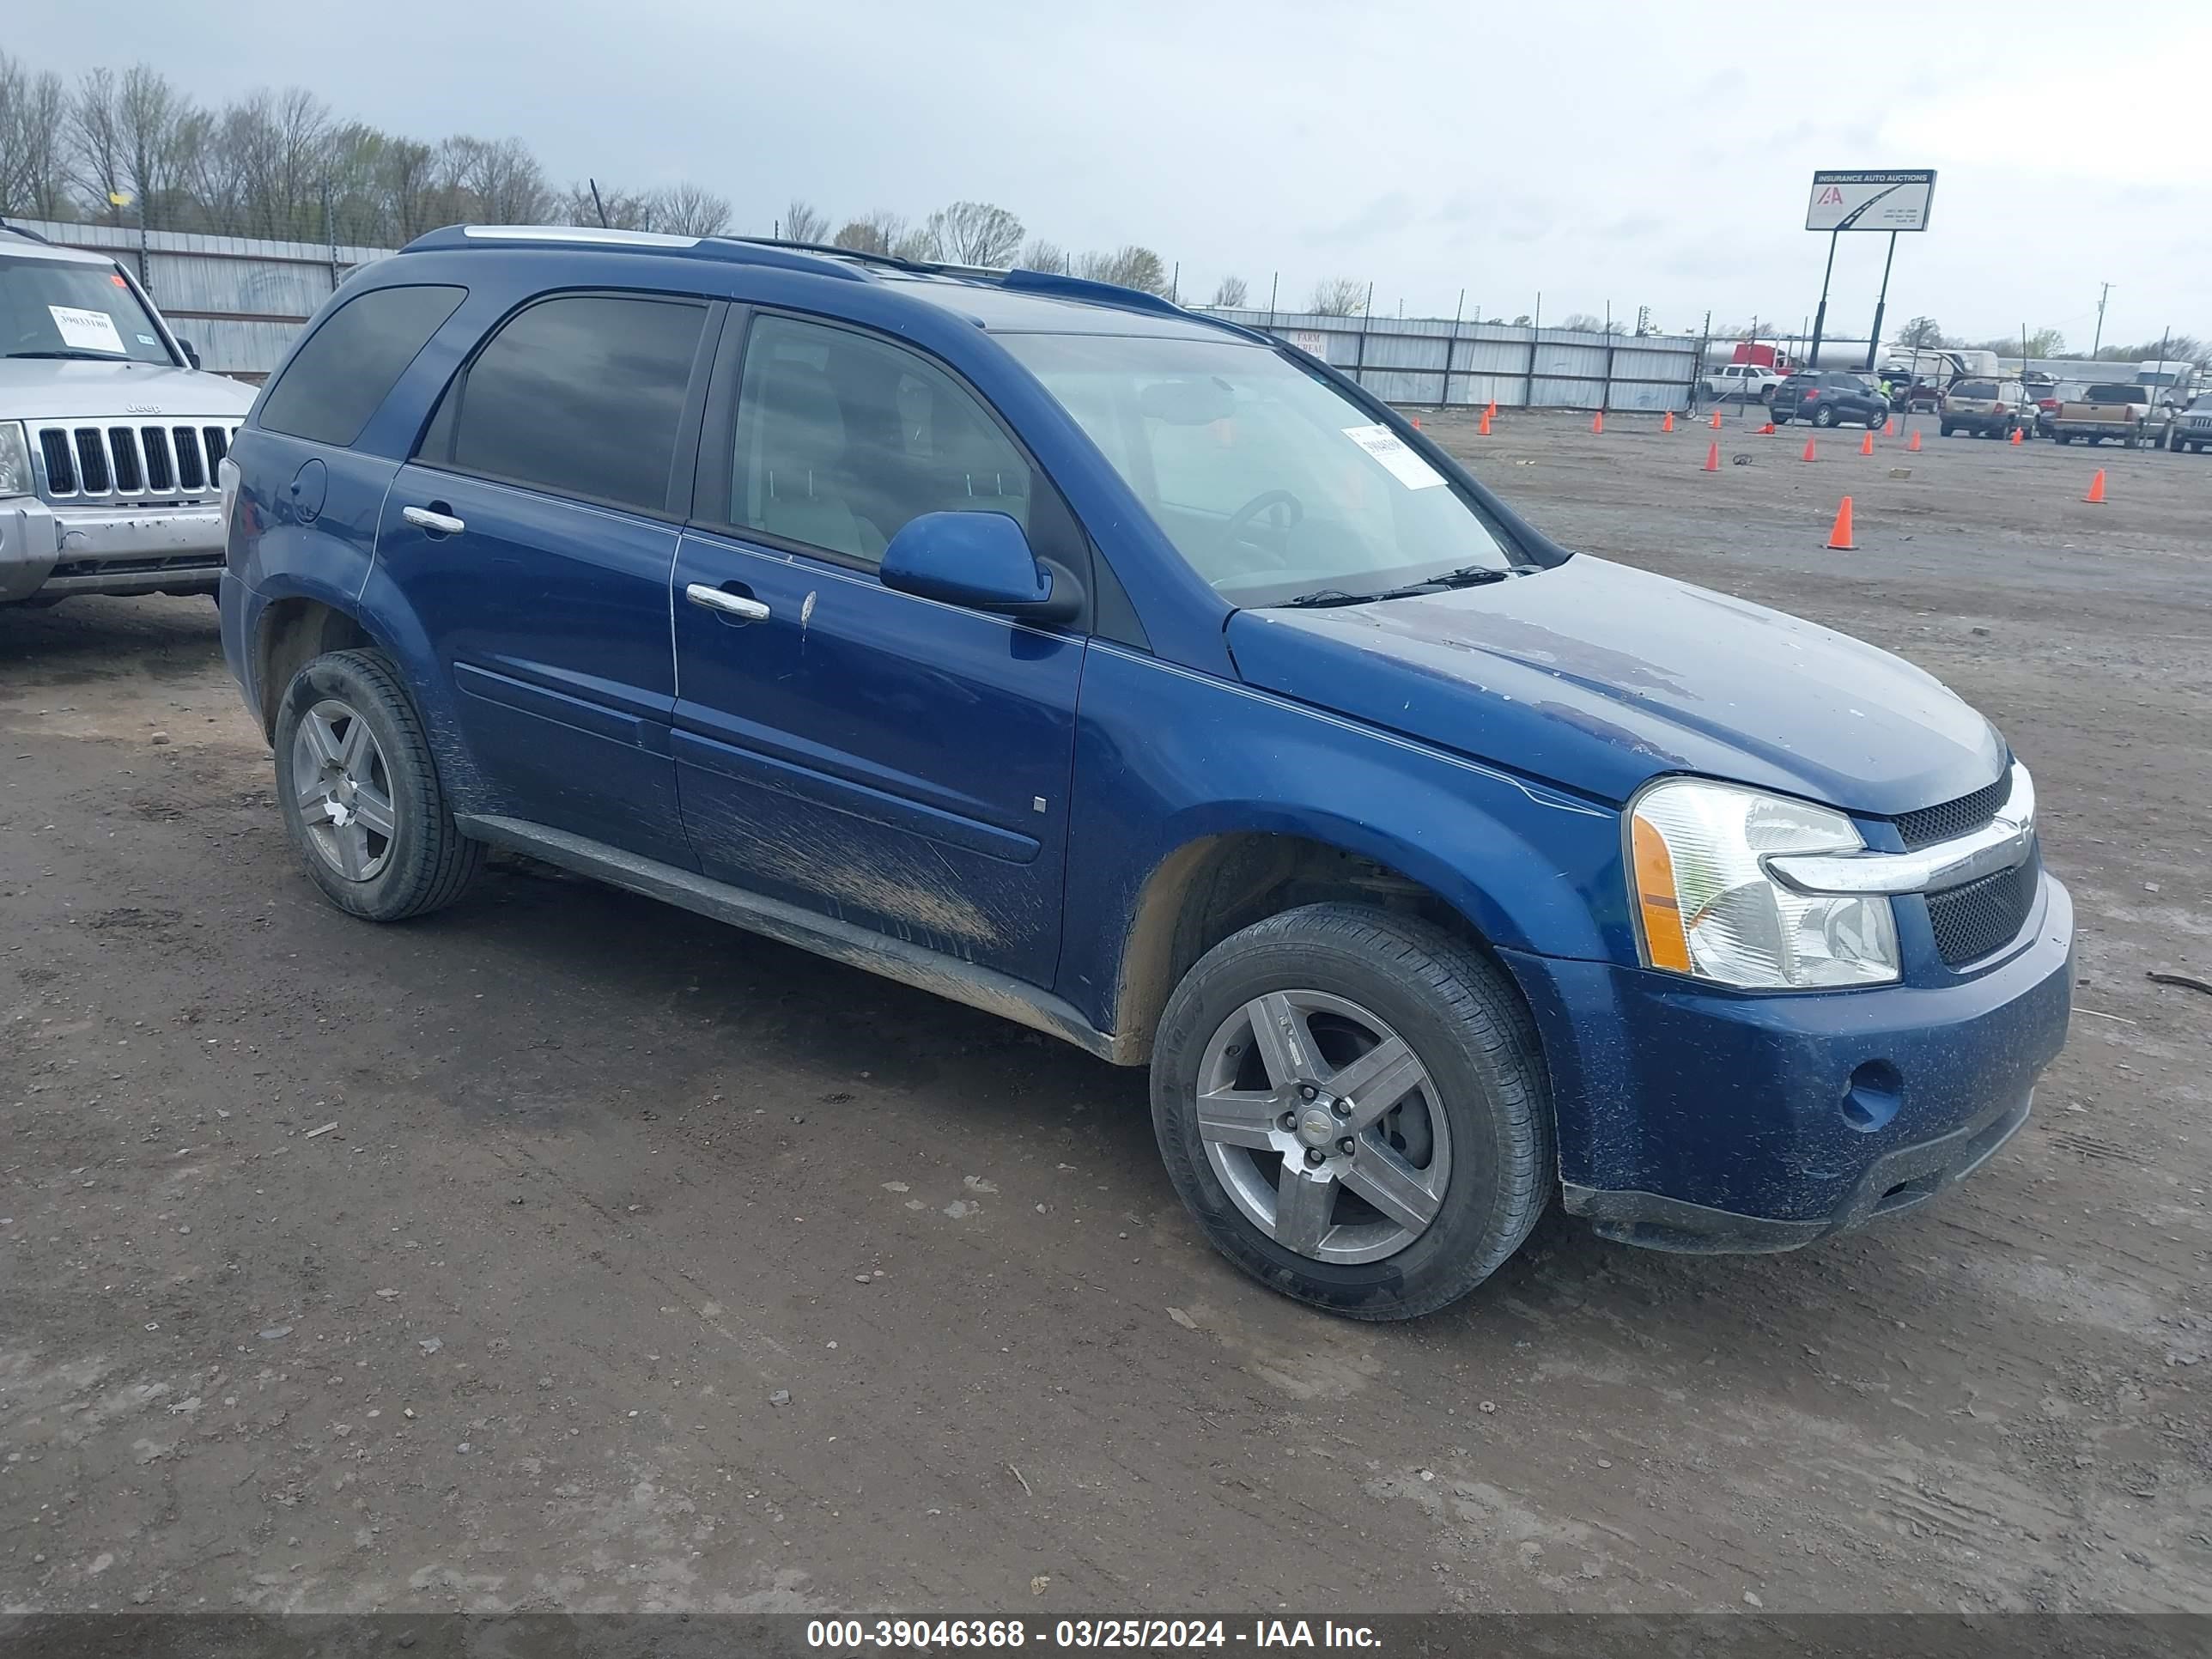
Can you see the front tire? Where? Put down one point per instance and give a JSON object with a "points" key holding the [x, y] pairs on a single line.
{"points": [[1333, 1026], [1824, 417], [361, 796]]}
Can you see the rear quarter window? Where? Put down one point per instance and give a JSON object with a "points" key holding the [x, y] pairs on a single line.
{"points": [[349, 365]]}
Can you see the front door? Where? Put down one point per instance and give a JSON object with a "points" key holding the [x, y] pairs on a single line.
{"points": [[887, 760], [533, 535]]}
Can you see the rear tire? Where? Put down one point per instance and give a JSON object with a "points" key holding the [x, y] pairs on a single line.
{"points": [[1824, 417], [1335, 976], [361, 795]]}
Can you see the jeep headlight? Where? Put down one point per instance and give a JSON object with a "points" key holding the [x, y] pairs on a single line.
{"points": [[1706, 905], [15, 460]]}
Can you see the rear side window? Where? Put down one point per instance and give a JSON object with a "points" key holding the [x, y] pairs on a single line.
{"points": [[352, 361], [580, 396], [1977, 389]]}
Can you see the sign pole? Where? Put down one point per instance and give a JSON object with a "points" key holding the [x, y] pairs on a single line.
{"points": [[1874, 341], [1820, 317]]}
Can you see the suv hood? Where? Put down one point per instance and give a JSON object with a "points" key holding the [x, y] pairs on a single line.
{"points": [[68, 388], [1598, 677]]}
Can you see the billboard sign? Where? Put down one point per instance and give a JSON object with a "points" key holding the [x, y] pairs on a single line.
{"points": [[1870, 201]]}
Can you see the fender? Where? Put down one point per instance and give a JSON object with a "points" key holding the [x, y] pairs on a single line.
{"points": [[1166, 758]]}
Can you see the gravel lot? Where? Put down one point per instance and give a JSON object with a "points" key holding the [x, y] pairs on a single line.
{"points": [[649, 1265]]}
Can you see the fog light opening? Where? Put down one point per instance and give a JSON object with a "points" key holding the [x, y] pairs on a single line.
{"points": [[1872, 1097]]}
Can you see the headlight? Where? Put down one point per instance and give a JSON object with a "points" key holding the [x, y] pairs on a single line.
{"points": [[1707, 907], [15, 460]]}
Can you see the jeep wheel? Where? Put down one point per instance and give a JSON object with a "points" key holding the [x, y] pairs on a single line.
{"points": [[1352, 1103], [1824, 417], [360, 798], [1948, 428]]}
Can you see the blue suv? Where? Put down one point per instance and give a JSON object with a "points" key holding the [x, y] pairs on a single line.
{"points": [[1133, 676]]}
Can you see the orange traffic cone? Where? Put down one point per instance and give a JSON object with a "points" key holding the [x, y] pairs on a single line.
{"points": [[1713, 457], [1766, 431], [1491, 413], [2096, 495], [1597, 421], [1666, 423], [1716, 420], [1839, 538], [1913, 443], [1889, 428], [1417, 424], [1808, 449], [2015, 434], [1483, 429], [1866, 444]]}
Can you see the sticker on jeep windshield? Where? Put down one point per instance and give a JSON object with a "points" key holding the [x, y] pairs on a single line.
{"points": [[86, 331], [1385, 446]]}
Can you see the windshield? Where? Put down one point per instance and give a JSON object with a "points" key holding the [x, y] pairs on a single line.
{"points": [[1271, 483], [50, 309]]}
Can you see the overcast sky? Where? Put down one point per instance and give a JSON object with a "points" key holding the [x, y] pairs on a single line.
{"points": [[1654, 154]]}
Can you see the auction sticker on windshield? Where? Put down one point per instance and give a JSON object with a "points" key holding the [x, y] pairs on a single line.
{"points": [[1386, 446], [86, 331]]}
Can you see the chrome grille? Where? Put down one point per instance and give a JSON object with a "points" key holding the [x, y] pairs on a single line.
{"points": [[126, 463]]}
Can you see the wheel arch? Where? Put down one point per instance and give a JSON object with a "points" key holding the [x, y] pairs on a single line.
{"points": [[1218, 884]]}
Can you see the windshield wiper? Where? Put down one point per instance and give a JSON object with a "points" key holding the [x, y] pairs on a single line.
{"points": [[74, 354], [1471, 575], [1328, 596]]}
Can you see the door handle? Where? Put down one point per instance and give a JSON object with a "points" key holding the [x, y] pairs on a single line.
{"points": [[743, 607], [438, 524]]}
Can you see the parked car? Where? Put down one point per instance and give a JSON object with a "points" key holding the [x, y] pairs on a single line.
{"points": [[110, 435], [2105, 409], [1741, 382], [1829, 397], [2052, 399], [1986, 409], [1121, 671], [2192, 429]]}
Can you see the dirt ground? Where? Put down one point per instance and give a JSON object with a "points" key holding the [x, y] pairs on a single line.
{"points": [[649, 1265]]}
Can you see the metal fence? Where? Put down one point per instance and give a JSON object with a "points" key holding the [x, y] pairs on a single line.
{"points": [[239, 301], [1406, 360]]}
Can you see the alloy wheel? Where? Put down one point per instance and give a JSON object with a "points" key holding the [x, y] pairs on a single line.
{"points": [[343, 790], [1323, 1126]]}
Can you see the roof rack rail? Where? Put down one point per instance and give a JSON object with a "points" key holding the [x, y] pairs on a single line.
{"points": [[731, 249], [1024, 281], [26, 231]]}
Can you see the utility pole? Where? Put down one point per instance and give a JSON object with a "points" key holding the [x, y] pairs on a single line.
{"points": [[2099, 340]]}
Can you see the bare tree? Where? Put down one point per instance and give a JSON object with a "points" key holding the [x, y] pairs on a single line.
{"points": [[624, 209], [1231, 294], [1582, 321], [917, 245], [154, 123], [973, 234], [805, 222], [1049, 257], [1339, 296], [33, 139], [690, 210], [95, 127], [501, 179], [1127, 266], [873, 232]]}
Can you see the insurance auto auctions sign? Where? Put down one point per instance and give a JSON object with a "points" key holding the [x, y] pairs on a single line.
{"points": [[1870, 201]]}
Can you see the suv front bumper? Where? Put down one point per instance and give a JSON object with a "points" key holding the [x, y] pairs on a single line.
{"points": [[48, 552], [1691, 1118]]}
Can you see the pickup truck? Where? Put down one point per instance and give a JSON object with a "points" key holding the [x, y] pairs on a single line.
{"points": [[1741, 383], [2108, 410]]}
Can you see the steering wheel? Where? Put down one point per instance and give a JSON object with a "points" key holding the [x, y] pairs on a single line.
{"points": [[1265, 500]]}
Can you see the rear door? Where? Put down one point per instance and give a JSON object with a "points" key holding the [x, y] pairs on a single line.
{"points": [[883, 759], [533, 534]]}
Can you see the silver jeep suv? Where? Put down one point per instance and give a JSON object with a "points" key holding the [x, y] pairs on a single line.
{"points": [[110, 435]]}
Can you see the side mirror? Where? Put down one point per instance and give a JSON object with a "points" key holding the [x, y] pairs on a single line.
{"points": [[192, 355], [983, 560]]}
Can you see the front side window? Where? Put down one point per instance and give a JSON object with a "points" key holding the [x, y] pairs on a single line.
{"points": [[63, 309], [348, 367], [580, 396], [841, 439], [1272, 483]]}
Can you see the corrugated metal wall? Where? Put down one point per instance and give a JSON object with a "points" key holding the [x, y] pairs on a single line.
{"points": [[1406, 360], [239, 301]]}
